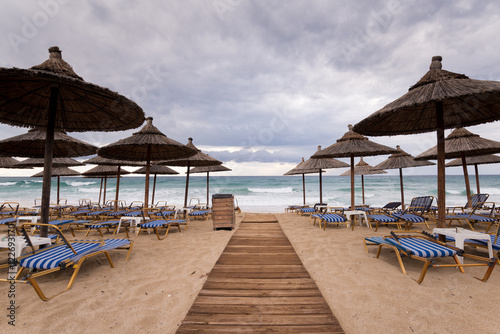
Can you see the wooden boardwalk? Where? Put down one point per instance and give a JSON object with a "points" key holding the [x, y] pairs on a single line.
{"points": [[259, 285]]}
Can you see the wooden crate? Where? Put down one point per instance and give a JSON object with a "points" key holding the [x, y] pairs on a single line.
{"points": [[223, 211]]}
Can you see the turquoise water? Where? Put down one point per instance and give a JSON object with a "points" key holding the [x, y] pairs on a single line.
{"points": [[253, 193]]}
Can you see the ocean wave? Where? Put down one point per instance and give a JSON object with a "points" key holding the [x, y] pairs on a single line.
{"points": [[79, 183], [286, 190], [8, 183]]}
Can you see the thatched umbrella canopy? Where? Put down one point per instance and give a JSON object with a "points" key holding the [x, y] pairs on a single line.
{"points": [[459, 144], [53, 96], [32, 145], [476, 160], [155, 170], [352, 145], [401, 160], [320, 163], [145, 145], [208, 169], [59, 171], [439, 100], [56, 162], [197, 160], [362, 168], [8, 162], [104, 172], [299, 170], [98, 160]]}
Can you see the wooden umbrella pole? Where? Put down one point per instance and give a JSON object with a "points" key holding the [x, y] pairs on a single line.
{"points": [[104, 192], [441, 179], [148, 168], [100, 192], [477, 179], [187, 185], [402, 191], [363, 188], [352, 182], [208, 182], [117, 187], [58, 187], [466, 178], [304, 187], [320, 187], [153, 193], [47, 163]]}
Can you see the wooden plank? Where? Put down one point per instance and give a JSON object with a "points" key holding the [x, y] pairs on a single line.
{"points": [[261, 275], [200, 300], [261, 319], [263, 285], [212, 329], [314, 292], [260, 309], [261, 267]]}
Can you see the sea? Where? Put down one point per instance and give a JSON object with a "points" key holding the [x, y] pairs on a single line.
{"points": [[252, 193]]}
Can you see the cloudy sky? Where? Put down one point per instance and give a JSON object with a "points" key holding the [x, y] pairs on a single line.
{"points": [[258, 84]]}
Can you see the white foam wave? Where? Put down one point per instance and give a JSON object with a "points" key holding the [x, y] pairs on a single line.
{"points": [[80, 183], [285, 190], [7, 183]]}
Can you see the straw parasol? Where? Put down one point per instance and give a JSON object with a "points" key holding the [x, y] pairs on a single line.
{"points": [[104, 172], [208, 169], [147, 144], [59, 171], [197, 160], [155, 170], [53, 96], [98, 160], [299, 170], [401, 160], [476, 160], [459, 144], [319, 164], [352, 145], [439, 100], [8, 162], [32, 145], [362, 168]]}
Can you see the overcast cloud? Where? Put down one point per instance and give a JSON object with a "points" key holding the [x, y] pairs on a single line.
{"points": [[257, 80]]}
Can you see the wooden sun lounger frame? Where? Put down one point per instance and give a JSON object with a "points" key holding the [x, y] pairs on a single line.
{"points": [[157, 228]]}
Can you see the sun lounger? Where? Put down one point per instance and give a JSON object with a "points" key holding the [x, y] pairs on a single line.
{"points": [[61, 256], [330, 218], [423, 247], [156, 225], [476, 200]]}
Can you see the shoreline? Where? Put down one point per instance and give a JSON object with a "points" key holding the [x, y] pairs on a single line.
{"points": [[154, 290]]}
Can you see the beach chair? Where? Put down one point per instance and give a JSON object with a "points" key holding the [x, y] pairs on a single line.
{"points": [[487, 217], [423, 247], [389, 207], [159, 222], [477, 201], [87, 226], [9, 209], [59, 257]]}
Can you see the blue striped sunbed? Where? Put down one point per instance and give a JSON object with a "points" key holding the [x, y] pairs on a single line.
{"points": [[156, 225], [331, 218], [8, 220], [199, 213], [304, 211], [471, 219]]}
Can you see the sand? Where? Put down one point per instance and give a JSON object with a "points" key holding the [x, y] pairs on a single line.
{"points": [[153, 291]]}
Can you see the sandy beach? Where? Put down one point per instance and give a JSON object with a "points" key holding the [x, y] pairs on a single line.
{"points": [[153, 291]]}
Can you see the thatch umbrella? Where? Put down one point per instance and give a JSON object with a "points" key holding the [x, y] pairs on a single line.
{"points": [[53, 96], [59, 171], [352, 145], [145, 145], [299, 170], [401, 160], [61, 164], [439, 101], [459, 144], [319, 164], [362, 168], [155, 170], [105, 172], [98, 160], [8, 162], [208, 169], [199, 159], [476, 160]]}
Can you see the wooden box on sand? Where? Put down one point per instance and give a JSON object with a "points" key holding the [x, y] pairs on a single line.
{"points": [[223, 211]]}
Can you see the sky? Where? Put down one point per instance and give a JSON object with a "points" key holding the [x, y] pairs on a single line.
{"points": [[258, 84]]}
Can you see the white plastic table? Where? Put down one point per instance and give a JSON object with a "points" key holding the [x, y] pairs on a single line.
{"points": [[461, 235], [133, 222], [360, 214], [20, 244]]}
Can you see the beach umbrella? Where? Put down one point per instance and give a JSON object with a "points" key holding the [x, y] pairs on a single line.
{"points": [[155, 170], [439, 100], [459, 144], [59, 171], [147, 144], [319, 164], [299, 170], [362, 168], [199, 159], [476, 160], [353, 144], [51, 95], [60, 163], [208, 169], [401, 160], [98, 160], [8, 162], [104, 172]]}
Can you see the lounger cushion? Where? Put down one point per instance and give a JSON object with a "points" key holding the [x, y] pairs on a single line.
{"points": [[332, 218], [199, 213], [51, 258], [8, 220], [410, 217], [421, 247], [104, 224], [304, 210], [383, 218]]}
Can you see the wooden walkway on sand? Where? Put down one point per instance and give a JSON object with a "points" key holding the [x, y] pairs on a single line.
{"points": [[259, 285]]}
